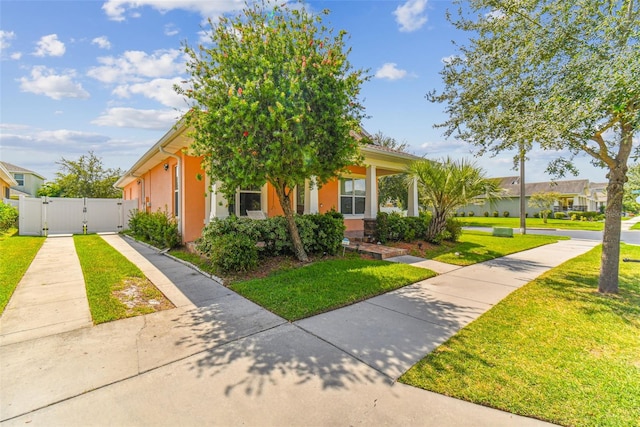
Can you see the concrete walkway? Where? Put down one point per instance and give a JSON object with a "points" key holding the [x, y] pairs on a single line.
{"points": [[50, 298], [626, 225], [219, 359]]}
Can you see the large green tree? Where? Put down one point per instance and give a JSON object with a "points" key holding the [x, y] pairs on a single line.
{"points": [[392, 188], [85, 177], [562, 74], [447, 185], [275, 100]]}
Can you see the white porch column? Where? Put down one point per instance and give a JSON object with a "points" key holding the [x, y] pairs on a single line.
{"points": [[412, 208], [371, 193], [208, 205], [311, 196], [264, 194], [219, 207]]}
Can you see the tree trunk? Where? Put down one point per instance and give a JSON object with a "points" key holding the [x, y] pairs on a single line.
{"points": [[610, 261], [437, 225], [285, 203]]}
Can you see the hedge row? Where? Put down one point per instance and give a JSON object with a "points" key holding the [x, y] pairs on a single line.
{"points": [[395, 227], [159, 228], [235, 244], [8, 217]]}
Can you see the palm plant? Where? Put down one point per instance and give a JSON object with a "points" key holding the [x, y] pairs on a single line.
{"points": [[448, 185]]}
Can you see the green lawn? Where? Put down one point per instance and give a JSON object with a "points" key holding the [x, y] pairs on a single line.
{"points": [[478, 246], [636, 226], [327, 285], [16, 254], [554, 349], [107, 271], [563, 224]]}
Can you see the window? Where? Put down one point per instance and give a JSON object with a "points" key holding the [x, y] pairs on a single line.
{"points": [[246, 200], [176, 193], [352, 196], [19, 177]]}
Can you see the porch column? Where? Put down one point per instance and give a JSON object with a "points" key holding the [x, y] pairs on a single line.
{"points": [[311, 196], [264, 203], [371, 193], [412, 208], [219, 207]]}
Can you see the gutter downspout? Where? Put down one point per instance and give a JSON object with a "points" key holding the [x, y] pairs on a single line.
{"points": [[178, 188]]}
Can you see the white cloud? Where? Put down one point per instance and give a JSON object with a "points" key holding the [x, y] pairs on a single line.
{"points": [[133, 118], [390, 71], [160, 90], [102, 42], [49, 46], [411, 15], [16, 55], [448, 59], [45, 81], [136, 65], [116, 9], [5, 38], [171, 30]]}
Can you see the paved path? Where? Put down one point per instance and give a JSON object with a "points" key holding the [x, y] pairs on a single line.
{"points": [[219, 359], [50, 298]]}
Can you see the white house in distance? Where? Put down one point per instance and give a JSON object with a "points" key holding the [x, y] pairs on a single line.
{"points": [[578, 195], [28, 181]]}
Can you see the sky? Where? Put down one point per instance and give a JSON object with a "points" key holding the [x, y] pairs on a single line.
{"points": [[88, 75]]}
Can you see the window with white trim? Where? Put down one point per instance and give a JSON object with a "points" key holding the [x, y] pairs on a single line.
{"points": [[19, 177], [246, 200], [352, 196]]}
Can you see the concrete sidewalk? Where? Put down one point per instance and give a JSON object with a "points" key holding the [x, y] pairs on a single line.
{"points": [[220, 359]]}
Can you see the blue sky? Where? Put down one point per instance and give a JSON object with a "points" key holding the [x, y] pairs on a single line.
{"points": [[98, 75]]}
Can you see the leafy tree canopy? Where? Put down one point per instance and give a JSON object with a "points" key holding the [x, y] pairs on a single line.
{"points": [[275, 100], [562, 74], [545, 201], [85, 177]]}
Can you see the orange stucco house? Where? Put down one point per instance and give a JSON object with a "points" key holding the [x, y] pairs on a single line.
{"points": [[167, 178], [6, 182]]}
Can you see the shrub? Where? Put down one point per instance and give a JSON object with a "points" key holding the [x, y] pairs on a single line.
{"points": [[395, 227], [454, 228], [471, 213], [486, 213], [559, 215], [496, 214], [234, 252], [8, 217], [536, 215], [505, 214], [159, 228], [462, 214], [319, 233]]}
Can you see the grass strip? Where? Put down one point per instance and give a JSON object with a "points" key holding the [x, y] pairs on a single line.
{"points": [[555, 349], [636, 226], [107, 273], [562, 224], [16, 255], [477, 246], [326, 285]]}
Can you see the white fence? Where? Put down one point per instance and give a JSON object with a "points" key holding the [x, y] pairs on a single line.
{"points": [[57, 215]]}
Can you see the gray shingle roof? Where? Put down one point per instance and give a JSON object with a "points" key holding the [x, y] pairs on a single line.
{"points": [[511, 185]]}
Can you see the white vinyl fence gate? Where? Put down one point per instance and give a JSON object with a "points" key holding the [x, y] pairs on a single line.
{"points": [[43, 216]]}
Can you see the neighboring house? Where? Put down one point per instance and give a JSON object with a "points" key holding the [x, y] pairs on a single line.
{"points": [[27, 182], [166, 178], [575, 195], [6, 182]]}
